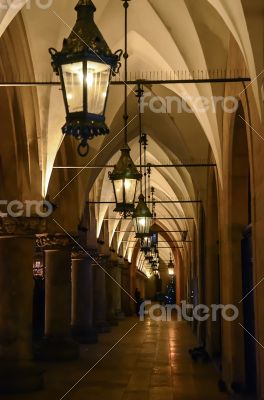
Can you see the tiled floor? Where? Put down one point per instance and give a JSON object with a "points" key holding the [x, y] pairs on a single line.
{"points": [[150, 363]]}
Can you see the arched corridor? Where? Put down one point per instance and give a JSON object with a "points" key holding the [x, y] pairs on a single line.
{"points": [[131, 209]]}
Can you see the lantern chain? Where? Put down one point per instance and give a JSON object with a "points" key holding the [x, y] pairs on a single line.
{"points": [[125, 55], [139, 93]]}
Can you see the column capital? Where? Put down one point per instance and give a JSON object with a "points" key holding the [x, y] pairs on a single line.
{"points": [[82, 252], [79, 254], [85, 252], [114, 263], [49, 241], [103, 260], [22, 226], [126, 265]]}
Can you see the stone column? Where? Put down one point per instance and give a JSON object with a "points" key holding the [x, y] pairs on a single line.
{"points": [[126, 304], [111, 289], [118, 289], [100, 301], [83, 328], [18, 373], [57, 344]]}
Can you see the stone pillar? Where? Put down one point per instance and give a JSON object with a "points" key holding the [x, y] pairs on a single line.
{"points": [[114, 288], [126, 304], [57, 344], [18, 373], [110, 293], [118, 291], [100, 306], [83, 328]]}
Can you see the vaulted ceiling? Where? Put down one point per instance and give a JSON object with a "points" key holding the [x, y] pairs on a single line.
{"points": [[167, 36]]}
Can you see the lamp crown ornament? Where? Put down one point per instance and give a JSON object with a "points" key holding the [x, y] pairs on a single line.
{"points": [[125, 167], [86, 3], [85, 66], [85, 36]]}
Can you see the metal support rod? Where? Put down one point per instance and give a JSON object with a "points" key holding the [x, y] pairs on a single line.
{"points": [[175, 81], [204, 165], [163, 247], [155, 231], [132, 82], [175, 201], [171, 231], [162, 241], [175, 241], [150, 202], [126, 5], [162, 218], [139, 95]]}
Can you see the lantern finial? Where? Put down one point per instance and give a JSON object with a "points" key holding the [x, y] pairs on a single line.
{"points": [[85, 3], [85, 35]]}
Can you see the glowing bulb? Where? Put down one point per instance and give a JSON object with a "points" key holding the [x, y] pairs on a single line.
{"points": [[69, 96], [142, 221], [80, 75], [127, 184], [90, 79]]}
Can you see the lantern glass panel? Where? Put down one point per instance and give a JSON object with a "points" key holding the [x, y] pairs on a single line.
{"points": [[146, 244], [73, 81], [118, 188], [142, 225], [130, 189], [98, 76]]}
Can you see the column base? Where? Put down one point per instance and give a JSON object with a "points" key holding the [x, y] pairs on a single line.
{"points": [[129, 313], [120, 315], [112, 320], [85, 335], [57, 349], [102, 327], [20, 377]]}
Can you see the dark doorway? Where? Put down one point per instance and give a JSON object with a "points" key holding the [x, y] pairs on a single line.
{"points": [[248, 308]]}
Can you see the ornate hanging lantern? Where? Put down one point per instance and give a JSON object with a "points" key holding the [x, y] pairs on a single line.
{"points": [[125, 177], [142, 218], [171, 267], [85, 66]]}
